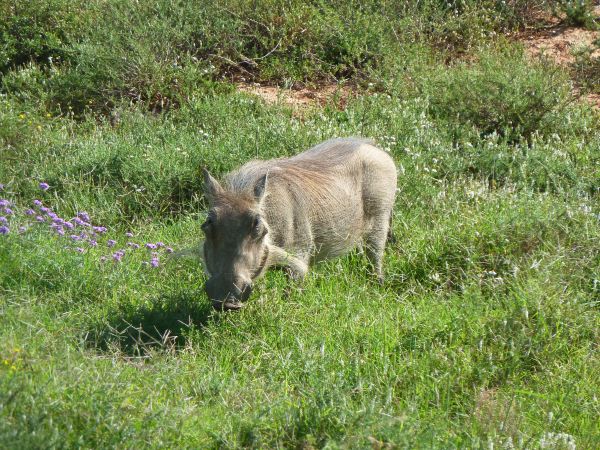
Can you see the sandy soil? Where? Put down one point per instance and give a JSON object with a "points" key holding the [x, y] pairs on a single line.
{"points": [[559, 43], [300, 98]]}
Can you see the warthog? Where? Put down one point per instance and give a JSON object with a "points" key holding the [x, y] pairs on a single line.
{"points": [[292, 212]]}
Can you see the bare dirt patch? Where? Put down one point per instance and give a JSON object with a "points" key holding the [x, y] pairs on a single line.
{"points": [[594, 100], [302, 98], [559, 43]]}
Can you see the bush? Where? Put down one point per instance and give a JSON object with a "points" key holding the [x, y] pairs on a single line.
{"points": [[586, 70], [91, 54], [578, 13], [39, 32], [501, 93]]}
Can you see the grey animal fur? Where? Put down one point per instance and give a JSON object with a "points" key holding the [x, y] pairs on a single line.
{"points": [[296, 211]]}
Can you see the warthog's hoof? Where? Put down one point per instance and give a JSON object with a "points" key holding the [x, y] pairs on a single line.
{"points": [[228, 305]]}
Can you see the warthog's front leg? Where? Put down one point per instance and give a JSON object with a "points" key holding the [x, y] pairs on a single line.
{"points": [[279, 257]]}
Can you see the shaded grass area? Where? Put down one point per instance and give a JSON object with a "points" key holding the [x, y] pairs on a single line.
{"points": [[485, 331]]}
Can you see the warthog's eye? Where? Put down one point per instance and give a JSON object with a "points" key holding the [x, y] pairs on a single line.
{"points": [[207, 223], [258, 228]]}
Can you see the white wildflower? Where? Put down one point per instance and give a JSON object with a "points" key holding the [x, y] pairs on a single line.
{"points": [[558, 440]]}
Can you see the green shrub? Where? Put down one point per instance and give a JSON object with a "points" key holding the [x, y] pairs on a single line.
{"points": [[92, 54], [586, 70], [500, 93], [39, 31], [578, 12]]}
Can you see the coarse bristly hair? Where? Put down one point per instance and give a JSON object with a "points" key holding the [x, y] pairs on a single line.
{"points": [[318, 204]]}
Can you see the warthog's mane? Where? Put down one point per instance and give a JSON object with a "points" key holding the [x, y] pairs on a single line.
{"points": [[313, 170], [234, 201]]}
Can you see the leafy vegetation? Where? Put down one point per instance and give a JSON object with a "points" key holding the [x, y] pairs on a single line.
{"points": [[87, 55], [577, 12], [586, 70], [485, 332]]}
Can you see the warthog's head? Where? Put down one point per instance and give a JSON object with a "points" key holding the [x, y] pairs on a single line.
{"points": [[235, 248]]}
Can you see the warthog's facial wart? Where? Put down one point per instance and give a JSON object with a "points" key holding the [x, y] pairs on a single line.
{"points": [[235, 249]]}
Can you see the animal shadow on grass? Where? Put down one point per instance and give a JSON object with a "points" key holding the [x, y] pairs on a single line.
{"points": [[166, 324]]}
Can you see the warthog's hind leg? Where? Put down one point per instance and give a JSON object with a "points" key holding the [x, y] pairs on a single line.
{"points": [[375, 245], [391, 238]]}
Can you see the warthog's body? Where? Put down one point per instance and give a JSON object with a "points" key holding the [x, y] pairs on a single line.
{"points": [[296, 211]]}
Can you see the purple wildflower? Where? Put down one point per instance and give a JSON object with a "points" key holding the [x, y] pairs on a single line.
{"points": [[84, 216], [160, 244], [52, 215], [45, 210], [44, 186], [133, 245], [99, 229], [4, 230], [60, 231], [8, 211], [151, 246], [37, 202], [129, 234], [80, 250], [154, 262], [118, 255], [93, 243], [22, 229], [111, 242], [75, 237], [69, 225], [58, 220], [80, 222], [29, 212], [169, 250], [4, 202], [3, 219], [40, 219]]}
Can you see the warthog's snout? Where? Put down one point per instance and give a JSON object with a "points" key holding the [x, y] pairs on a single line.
{"points": [[228, 294]]}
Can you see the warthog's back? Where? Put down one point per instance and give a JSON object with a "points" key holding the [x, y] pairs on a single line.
{"points": [[323, 202]]}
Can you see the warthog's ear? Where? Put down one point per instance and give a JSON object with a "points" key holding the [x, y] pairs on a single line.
{"points": [[260, 188], [212, 188]]}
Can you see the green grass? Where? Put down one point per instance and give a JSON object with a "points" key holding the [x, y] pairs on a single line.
{"points": [[484, 334]]}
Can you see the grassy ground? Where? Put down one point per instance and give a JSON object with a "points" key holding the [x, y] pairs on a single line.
{"points": [[486, 331]]}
